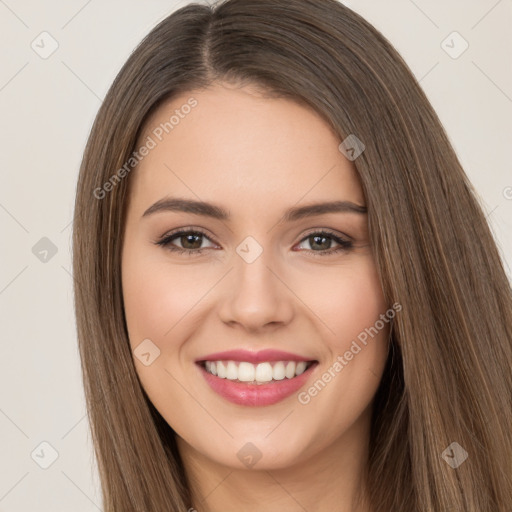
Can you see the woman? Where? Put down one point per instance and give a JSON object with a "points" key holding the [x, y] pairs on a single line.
{"points": [[287, 295]]}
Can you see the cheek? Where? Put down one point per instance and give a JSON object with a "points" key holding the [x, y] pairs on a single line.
{"points": [[348, 299], [363, 335], [157, 296], [352, 308], [361, 305], [350, 302], [158, 304]]}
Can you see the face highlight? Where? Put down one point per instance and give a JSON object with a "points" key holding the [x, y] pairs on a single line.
{"points": [[223, 251]]}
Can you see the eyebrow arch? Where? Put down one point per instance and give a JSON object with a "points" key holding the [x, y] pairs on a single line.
{"points": [[217, 212]]}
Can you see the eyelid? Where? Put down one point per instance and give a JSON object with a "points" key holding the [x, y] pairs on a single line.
{"points": [[187, 229], [328, 231]]}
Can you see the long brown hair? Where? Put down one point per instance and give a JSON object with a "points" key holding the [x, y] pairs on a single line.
{"points": [[448, 376]]}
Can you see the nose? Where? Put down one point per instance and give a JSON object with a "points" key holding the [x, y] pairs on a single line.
{"points": [[255, 296]]}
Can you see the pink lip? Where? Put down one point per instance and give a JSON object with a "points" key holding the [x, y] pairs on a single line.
{"points": [[253, 357], [255, 395]]}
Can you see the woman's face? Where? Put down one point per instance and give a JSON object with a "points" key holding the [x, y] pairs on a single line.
{"points": [[273, 274]]}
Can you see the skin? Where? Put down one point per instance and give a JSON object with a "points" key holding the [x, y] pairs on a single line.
{"points": [[255, 157]]}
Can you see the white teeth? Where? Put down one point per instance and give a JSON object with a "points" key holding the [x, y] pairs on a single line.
{"points": [[290, 370], [246, 372], [231, 371], [263, 372], [278, 371], [221, 369], [301, 367], [256, 373]]}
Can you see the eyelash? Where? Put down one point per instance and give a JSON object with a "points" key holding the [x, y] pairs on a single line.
{"points": [[165, 241]]}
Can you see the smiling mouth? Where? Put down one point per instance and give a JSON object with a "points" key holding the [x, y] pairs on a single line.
{"points": [[262, 373]]}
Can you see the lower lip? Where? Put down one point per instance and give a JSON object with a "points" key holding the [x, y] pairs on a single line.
{"points": [[254, 395]]}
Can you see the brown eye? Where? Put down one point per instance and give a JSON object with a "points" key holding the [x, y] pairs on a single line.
{"points": [[321, 243], [190, 241]]}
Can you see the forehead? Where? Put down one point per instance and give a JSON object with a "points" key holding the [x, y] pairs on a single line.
{"points": [[236, 145]]}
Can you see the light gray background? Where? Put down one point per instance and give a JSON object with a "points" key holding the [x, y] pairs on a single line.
{"points": [[47, 107]]}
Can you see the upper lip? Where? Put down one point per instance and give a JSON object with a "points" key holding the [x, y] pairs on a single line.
{"points": [[253, 357]]}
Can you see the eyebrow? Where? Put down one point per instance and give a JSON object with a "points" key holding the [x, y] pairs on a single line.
{"points": [[217, 212]]}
